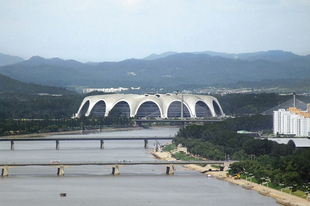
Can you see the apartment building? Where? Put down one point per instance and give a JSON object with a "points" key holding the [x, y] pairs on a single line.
{"points": [[292, 121]]}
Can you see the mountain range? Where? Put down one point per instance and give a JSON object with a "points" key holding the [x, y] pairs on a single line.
{"points": [[168, 70], [9, 59]]}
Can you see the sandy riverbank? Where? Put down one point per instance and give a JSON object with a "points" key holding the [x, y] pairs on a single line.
{"points": [[281, 198]]}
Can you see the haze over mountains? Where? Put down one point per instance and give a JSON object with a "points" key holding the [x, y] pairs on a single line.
{"points": [[8, 59], [169, 69]]}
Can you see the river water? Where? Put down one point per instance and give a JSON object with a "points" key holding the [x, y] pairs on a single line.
{"points": [[137, 185]]}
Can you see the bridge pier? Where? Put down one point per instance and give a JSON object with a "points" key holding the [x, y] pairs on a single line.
{"points": [[61, 170], [115, 170], [146, 144], [101, 144], [170, 170], [156, 146], [5, 171], [182, 125], [12, 145], [57, 144]]}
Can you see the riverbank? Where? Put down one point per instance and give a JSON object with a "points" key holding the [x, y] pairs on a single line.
{"points": [[281, 197]]}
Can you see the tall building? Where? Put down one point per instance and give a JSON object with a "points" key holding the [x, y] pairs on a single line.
{"points": [[292, 121]]}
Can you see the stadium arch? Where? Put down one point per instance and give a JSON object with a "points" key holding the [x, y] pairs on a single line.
{"points": [[152, 106]]}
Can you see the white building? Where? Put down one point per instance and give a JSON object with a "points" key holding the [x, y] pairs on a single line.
{"points": [[152, 106], [106, 90], [292, 121]]}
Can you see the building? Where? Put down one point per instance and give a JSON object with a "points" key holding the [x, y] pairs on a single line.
{"points": [[152, 106], [295, 143], [292, 122], [105, 90]]}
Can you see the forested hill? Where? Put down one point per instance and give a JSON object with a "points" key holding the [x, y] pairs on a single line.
{"points": [[9, 85], [8, 59], [163, 71]]}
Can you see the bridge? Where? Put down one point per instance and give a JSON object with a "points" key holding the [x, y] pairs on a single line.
{"points": [[182, 122], [100, 139], [115, 165]]}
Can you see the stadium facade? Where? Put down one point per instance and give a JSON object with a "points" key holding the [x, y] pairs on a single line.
{"points": [[152, 105]]}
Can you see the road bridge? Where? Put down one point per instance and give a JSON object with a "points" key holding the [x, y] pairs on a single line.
{"points": [[115, 165], [100, 139], [181, 122]]}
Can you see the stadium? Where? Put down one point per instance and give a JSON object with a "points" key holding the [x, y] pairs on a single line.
{"points": [[151, 106]]}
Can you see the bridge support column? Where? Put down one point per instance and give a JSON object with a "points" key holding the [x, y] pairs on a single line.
{"points": [[57, 144], [170, 170], [115, 170], [60, 170], [182, 125], [146, 144], [101, 144], [12, 145], [5, 171]]}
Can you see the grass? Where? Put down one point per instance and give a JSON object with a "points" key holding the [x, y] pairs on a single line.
{"points": [[216, 166], [185, 157], [181, 155], [169, 147], [297, 193]]}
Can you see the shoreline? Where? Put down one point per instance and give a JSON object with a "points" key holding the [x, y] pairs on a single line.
{"points": [[280, 197]]}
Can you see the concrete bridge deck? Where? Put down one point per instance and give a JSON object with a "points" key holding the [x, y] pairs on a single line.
{"points": [[100, 139], [85, 138], [115, 165]]}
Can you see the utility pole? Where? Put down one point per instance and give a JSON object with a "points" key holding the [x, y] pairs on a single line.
{"points": [[182, 107]]}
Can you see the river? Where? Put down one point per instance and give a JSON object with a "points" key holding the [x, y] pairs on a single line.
{"points": [[95, 185]]}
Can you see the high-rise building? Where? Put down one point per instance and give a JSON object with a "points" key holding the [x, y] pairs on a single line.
{"points": [[292, 122]]}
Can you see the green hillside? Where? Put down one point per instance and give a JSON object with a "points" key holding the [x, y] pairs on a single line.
{"points": [[9, 85]]}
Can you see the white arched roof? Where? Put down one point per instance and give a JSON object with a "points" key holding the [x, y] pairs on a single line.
{"points": [[299, 142], [163, 101]]}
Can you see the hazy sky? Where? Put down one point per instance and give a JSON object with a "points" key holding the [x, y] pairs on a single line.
{"points": [[114, 30]]}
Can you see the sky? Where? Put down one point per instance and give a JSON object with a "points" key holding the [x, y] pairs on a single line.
{"points": [[115, 30]]}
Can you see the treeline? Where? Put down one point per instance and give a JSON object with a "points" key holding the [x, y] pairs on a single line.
{"points": [[261, 157], [33, 106], [30, 126], [218, 140], [287, 170], [246, 104]]}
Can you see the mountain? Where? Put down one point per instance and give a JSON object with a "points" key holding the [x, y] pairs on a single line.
{"points": [[9, 85], [272, 55], [173, 70], [8, 59], [158, 56]]}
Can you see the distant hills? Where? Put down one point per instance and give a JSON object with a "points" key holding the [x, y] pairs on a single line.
{"points": [[8, 59], [9, 85], [272, 55], [169, 69]]}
